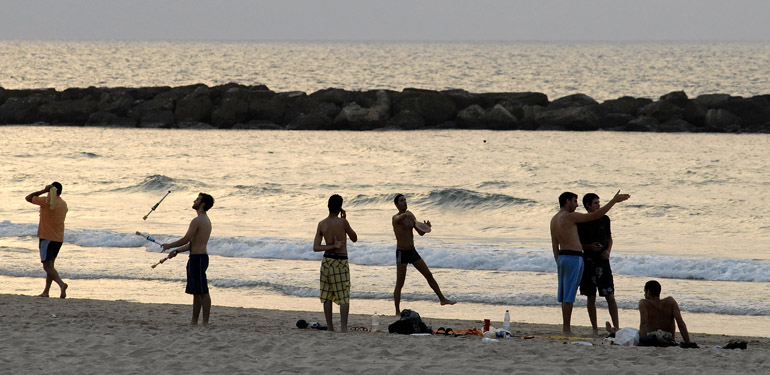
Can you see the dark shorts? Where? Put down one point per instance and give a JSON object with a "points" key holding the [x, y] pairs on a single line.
{"points": [[597, 274], [196, 274], [49, 250], [407, 256]]}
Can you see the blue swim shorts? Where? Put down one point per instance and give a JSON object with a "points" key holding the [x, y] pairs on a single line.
{"points": [[49, 250], [570, 271]]}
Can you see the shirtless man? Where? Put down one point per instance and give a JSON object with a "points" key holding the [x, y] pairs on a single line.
{"points": [[195, 241], [50, 233], [659, 314], [403, 224], [567, 249], [335, 271]]}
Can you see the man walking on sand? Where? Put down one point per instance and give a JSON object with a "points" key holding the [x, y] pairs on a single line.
{"points": [[335, 271], [50, 232], [568, 251], [403, 224], [195, 241], [596, 238]]}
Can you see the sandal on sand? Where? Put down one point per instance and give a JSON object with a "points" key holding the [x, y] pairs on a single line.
{"points": [[450, 332], [440, 331]]}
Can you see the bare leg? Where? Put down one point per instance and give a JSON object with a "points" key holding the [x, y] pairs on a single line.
{"points": [[206, 302], [591, 306], [328, 315], [423, 268], [51, 275], [400, 277], [344, 310], [566, 315], [196, 308], [612, 305]]}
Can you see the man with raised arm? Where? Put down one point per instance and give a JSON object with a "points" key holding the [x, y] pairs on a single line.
{"points": [[50, 232], [335, 270], [195, 241], [404, 222], [568, 251]]}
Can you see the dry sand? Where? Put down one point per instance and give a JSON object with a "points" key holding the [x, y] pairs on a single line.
{"points": [[79, 336]]}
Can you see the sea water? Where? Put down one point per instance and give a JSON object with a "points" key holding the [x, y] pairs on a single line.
{"points": [[695, 221]]}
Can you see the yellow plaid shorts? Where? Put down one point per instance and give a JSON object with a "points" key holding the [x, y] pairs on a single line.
{"points": [[335, 281]]}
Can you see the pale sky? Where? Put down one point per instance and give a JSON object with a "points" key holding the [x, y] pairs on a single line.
{"points": [[394, 20]]}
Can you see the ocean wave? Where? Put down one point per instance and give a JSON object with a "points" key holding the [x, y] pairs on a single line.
{"points": [[446, 198], [464, 199], [159, 183], [438, 255], [259, 190]]}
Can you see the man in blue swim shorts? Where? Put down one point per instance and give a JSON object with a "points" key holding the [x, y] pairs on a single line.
{"points": [[567, 249], [195, 241]]}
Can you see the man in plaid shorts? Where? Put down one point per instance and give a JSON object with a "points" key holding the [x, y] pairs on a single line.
{"points": [[335, 272]]}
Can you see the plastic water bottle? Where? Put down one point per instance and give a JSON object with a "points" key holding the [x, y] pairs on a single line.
{"points": [[375, 322], [507, 321]]}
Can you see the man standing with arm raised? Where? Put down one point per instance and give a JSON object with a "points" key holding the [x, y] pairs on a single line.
{"points": [[567, 249], [403, 224], [50, 231], [335, 270], [195, 241]]}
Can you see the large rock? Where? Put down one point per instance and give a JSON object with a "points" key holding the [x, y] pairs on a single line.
{"points": [[642, 124], [615, 121], [662, 111], [311, 121], [625, 105], [433, 107], [499, 118], [118, 101], [353, 116], [722, 120], [713, 100], [574, 100], [572, 118], [195, 106], [751, 111], [74, 112], [470, 117], [406, 120], [677, 98], [110, 119], [21, 110]]}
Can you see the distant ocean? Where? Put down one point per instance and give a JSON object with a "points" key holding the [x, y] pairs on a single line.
{"points": [[696, 219]]}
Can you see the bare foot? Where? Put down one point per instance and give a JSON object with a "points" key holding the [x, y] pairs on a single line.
{"points": [[567, 333], [609, 328], [447, 302], [44, 295], [64, 291]]}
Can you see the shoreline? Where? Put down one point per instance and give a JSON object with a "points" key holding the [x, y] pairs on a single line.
{"points": [[94, 336]]}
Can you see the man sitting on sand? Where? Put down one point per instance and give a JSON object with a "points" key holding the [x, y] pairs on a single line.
{"points": [[403, 224], [335, 271], [659, 314], [195, 241], [50, 232], [568, 251]]}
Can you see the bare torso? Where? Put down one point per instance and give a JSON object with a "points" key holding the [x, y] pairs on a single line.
{"points": [[200, 237], [403, 223], [660, 315], [334, 229], [564, 232]]}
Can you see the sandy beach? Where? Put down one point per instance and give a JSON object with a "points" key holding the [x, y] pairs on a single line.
{"points": [[81, 336]]}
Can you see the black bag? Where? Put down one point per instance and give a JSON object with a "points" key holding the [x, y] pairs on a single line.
{"points": [[409, 323]]}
